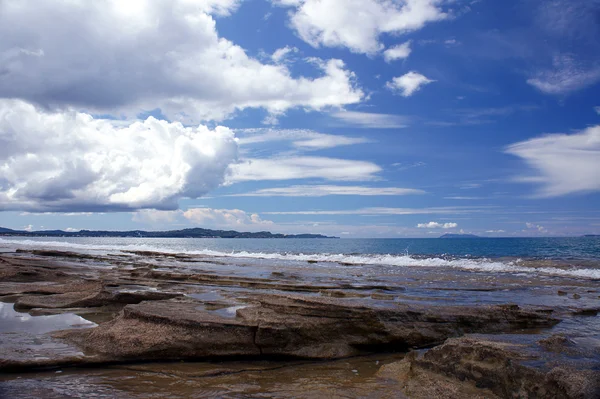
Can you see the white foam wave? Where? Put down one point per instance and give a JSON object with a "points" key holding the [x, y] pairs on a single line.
{"points": [[475, 265]]}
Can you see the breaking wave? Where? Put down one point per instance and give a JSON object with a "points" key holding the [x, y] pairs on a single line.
{"points": [[468, 264]]}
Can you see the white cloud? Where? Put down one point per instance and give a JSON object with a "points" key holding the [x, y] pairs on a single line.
{"points": [[459, 198], [566, 75], [225, 218], [325, 190], [436, 225], [358, 24], [72, 230], [398, 52], [302, 167], [156, 217], [300, 138], [371, 120], [383, 211], [406, 166], [495, 231], [408, 84], [29, 227], [126, 57], [235, 219], [565, 163], [69, 161], [281, 54], [533, 226]]}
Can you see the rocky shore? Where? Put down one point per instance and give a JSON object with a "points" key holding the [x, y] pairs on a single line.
{"points": [[442, 335]]}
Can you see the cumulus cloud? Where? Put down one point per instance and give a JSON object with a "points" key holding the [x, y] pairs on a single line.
{"points": [[69, 161], [325, 190], [408, 84], [564, 163], [236, 219], [436, 225], [398, 52], [358, 24], [225, 218], [127, 57], [368, 120], [156, 217], [533, 226]]}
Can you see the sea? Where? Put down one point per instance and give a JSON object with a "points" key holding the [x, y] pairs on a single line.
{"points": [[576, 257]]}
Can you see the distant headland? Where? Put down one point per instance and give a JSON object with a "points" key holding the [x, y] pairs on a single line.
{"points": [[185, 233]]}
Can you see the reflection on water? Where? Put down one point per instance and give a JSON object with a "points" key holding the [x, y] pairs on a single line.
{"points": [[12, 321], [348, 378]]}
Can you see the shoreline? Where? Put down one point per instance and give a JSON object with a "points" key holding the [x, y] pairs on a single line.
{"points": [[148, 308]]}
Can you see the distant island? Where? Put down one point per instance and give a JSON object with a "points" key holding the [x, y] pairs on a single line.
{"points": [[185, 233], [459, 236]]}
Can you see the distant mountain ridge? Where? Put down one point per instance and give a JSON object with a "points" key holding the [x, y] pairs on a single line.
{"points": [[185, 233]]}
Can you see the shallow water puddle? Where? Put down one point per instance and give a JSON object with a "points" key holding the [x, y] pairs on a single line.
{"points": [[228, 313], [12, 321], [345, 378]]}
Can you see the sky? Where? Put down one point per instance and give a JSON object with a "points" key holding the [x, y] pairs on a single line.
{"points": [[352, 118]]}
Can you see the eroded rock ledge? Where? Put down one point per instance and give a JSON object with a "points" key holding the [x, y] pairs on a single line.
{"points": [[478, 367], [289, 326], [160, 310]]}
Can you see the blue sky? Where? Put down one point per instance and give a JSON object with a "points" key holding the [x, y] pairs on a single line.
{"points": [[370, 118]]}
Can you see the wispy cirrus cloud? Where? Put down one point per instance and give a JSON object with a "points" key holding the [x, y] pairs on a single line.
{"points": [[302, 167], [570, 31], [462, 198], [326, 190], [369, 120], [379, 211], [562, 163], [299, 138], [566, 75], [481, 116]]}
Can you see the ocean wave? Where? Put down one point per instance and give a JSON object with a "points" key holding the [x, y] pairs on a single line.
{"points": [[469, 264]]}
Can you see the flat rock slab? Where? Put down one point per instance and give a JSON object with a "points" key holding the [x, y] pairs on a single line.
{"points": [[289, 326], [89, 294]]}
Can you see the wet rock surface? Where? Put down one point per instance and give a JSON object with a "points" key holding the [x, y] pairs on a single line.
{"points": [[496, 368], [149, 307], [291, 326]]}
